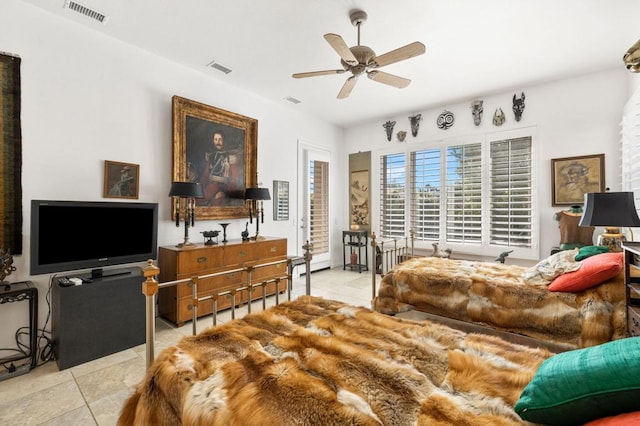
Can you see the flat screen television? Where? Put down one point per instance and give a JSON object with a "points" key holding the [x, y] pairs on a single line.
{"points": [[73, 235]]}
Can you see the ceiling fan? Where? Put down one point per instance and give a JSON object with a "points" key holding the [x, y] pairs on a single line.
{"points": [[362, 59]]}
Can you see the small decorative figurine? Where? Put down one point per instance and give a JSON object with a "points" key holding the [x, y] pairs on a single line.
{"points": [[401, 136], [414, 120], [518, 106], [476, 111], [445, 120], [388, 127], [224, 232], [498, 117], [209, 236], [245, 233]]}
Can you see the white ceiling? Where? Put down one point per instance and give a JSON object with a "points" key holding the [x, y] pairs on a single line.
{"points": [[474, 47]]}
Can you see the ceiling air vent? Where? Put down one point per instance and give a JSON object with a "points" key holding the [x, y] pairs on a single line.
{"points": [[89, 13], [292, 100], [217, 66]]}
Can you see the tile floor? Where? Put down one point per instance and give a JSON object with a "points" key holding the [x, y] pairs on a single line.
{"points": [[93, 393]]}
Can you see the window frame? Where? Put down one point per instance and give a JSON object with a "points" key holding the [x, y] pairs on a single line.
{"points": [[484, 247]]}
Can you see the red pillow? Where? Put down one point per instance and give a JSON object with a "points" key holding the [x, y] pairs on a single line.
{"points": [[594, 270], [626, 419]]}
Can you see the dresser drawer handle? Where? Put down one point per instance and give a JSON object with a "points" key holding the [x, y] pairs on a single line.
{"points": [[242, 253], [273, 249], [201, 259]]}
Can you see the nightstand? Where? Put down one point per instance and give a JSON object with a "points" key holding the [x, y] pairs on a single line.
{"points": [[632, 284]]}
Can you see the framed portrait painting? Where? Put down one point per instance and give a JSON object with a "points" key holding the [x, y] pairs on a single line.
{"points": [[121, 180], [218, 149], [572, 177]]}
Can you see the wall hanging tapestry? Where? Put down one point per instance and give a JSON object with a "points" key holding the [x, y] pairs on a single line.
{"points": [[10, 155]]}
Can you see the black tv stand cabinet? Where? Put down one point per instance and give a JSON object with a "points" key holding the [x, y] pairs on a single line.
{"points": [[97, 318]]}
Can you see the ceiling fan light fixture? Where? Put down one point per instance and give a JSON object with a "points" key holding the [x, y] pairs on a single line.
{"points": [[362, 59]]}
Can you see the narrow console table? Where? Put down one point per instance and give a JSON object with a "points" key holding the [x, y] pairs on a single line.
{"points": [[16, 292], [355, 240]]}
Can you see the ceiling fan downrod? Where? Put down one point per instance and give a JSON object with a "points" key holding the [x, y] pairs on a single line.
{"points": [[358, 17]]}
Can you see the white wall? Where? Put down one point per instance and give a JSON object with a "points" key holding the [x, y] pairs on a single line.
{"points": [[87, 98], [576, 116]]}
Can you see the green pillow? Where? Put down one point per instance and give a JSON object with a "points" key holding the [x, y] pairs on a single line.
{"points": [[588, 251], [578, 386]]}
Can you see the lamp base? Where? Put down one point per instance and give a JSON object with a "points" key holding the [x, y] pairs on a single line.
{"points": [[612, 238], [185, 244]]}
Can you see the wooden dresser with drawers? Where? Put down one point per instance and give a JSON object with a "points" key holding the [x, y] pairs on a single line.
{"points": [[177, 263]]}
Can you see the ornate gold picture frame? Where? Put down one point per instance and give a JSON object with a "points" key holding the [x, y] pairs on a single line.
{"points": [[572, 177], [219, 149]]}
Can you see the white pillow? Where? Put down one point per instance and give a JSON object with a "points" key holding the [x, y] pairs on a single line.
{"points": [[557, 264]]}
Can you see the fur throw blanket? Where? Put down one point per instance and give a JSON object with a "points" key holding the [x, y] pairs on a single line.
{"points": [[494, 294], [320, 362]]}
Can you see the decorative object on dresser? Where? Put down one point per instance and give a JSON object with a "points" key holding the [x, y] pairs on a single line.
{"points": [[218, 149], [256, 197], [632, 284], [209, 236], [188, 191], [226, 260], [611, 210]]}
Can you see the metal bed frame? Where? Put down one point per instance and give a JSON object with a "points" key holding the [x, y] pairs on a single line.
{"points": [[151, 286]]}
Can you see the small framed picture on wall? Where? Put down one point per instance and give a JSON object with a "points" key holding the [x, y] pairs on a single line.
{"points": [[121, 180]]}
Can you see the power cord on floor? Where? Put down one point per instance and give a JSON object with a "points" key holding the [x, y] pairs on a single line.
{"points": [[44, 342]]}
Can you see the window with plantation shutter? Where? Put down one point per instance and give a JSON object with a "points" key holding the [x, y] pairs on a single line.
{"points": [[426, 176], [464, 193], [319, 206], [392, 195], [630, 143], [511, 193], [474, 196]]}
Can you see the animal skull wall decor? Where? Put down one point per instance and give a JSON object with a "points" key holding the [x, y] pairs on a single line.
{"points": [[518, 106], [401, 135], [388, 127], [445, 120], [498, 117], [476, 111], [414, 120]]}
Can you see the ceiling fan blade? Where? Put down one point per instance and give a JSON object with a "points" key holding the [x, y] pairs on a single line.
{"points": [[347, 87], [316, 73], [389, 79], [341, 48], [400, 54]]}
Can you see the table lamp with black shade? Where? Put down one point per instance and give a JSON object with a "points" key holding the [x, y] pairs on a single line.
{"points": [[188, 191], [256, 196], [612, 210]]}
